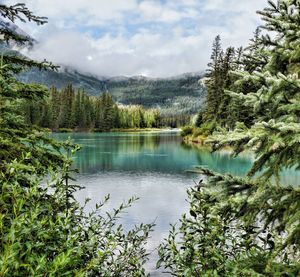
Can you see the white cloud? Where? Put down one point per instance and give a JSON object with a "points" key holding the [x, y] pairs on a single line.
{"points": [[150, 9], [87, 12], [169, 12], [134, 37], [234, 5]]}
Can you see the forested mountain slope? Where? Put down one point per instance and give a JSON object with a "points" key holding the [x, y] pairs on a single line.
{"points": [[181, 92]]}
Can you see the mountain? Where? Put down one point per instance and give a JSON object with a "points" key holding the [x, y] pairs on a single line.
{"points": [[185, 93], [182, 94]]}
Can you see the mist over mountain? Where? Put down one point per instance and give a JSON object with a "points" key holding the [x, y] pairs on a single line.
{"points": [[183, 94]]}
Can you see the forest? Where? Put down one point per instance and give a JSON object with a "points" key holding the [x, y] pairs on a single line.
{"points": [[235, 225], [71, 109]]}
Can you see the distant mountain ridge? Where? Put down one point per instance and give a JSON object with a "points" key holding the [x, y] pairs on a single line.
{"points": [[184, 92]]}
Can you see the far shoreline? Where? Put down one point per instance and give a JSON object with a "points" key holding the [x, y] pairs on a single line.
{"points": [[121, 130]]}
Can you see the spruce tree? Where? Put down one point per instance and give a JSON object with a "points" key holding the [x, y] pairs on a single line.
{"points": [[17, 137], [55, 107], [227, 65], [214, 81], [259, 215]]}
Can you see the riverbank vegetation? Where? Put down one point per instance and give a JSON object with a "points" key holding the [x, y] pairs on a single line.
{"points": [[247, 226], [44, 231], [222, 109]]}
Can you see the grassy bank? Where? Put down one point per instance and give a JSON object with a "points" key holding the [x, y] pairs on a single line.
{"points": [[142, 130], [194, 134]]}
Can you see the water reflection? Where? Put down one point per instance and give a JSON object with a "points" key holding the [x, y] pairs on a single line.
{"points": [[222, 162], [148, 152], [162, 200], [151, 166]]}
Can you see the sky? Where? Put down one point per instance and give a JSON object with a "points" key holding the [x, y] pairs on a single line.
{"points": [[155, 38]]}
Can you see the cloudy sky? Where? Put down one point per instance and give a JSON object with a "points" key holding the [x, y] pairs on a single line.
{"points": [[155, 38]]}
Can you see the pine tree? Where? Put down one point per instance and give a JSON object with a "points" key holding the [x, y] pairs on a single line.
{"points": [[88, 111], [77, 110], [46, 120], [65, 113], [227, 65], [55, 107], [213, 84], [259, 214], [17, 137]]}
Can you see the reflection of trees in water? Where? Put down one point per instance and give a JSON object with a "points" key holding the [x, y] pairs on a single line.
{"points": [[142, 153], [220, 161], [149, 152], [95, 157], [190, 146], [224, 162], [135, 143], [124, 151], [155, 153]]}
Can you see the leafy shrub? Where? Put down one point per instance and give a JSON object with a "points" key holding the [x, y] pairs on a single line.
{"points": [[45, 232], [197, 132], [205, 130], [222, 236], [208, 128], [198, 246], [187, 130]]}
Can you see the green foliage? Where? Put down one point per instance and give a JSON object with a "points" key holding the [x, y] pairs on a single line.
{"points": [[186, 130], [65, 130], [205, 129], [44, 230], [16, 136], [235, 228], [199, 119], [198, 248], [219, 79], [223, 77], [250, 226]]}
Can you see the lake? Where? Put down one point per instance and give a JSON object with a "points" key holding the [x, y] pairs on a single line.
{"points": [[151, 166]]}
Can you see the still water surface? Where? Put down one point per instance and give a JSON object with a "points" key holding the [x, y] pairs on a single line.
{"points": [[151, 166]]}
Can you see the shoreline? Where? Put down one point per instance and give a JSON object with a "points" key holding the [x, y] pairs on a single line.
{"points": [[136, 130], [121, 130], [199, 140]]}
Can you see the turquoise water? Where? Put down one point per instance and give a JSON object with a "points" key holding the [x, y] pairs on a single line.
{"points": [[151, 166], [154, 152]]}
